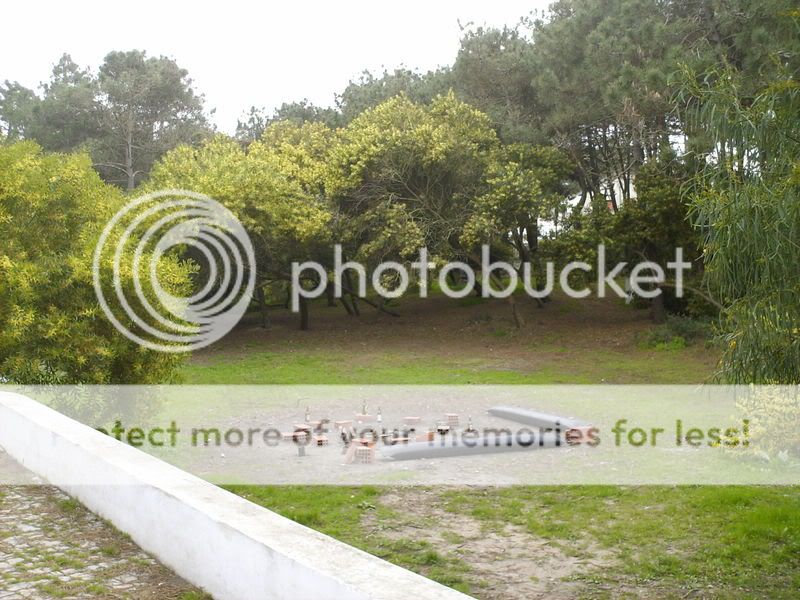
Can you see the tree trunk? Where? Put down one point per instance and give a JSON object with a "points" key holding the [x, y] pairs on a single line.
{"points": [[612, 197], [657, 311], [303, 313], [329, 293], [519, 322], [451, 277], [353, 298], [380, 307], [582, 200], [262, 302], [131, 183], [346, 303]]}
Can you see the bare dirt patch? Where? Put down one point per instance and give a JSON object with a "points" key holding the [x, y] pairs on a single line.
{"points": [[506, 562]]}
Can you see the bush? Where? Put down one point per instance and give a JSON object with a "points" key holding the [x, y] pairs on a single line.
{"points": [[678, 332], [773, 413], [52, 210]]}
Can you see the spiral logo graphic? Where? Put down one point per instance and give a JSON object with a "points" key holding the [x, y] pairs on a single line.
{"points": [[140, 235]]}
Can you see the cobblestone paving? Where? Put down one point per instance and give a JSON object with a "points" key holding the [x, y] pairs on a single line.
{"points": [[52, 547]]}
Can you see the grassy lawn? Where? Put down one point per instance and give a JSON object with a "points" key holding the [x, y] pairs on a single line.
{"points": [[340, 511], [571, 341], [580, 541], [268, 367], [727, 541], [667, 542]]}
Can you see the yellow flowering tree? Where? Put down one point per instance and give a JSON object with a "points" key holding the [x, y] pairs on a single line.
{"points": [[272, 188], [53, 208], [405, 175]]}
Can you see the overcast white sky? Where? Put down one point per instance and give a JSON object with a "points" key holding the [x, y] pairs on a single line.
{"points": [[240, 53]]}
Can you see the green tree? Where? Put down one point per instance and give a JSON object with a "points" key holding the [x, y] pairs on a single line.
{"points": [[271, 187], [371, 90], [52, 330], [66, 118], [602, 71], [495, 71], [252, 126], [16, 110], [656, 221], [525, 184], [747, 201], [130, 113], [148, 106], [757, 38], [405, 175], [257, 120]]}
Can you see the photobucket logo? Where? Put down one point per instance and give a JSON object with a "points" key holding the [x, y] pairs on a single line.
{"points": [[498, 279], [135, 241]]}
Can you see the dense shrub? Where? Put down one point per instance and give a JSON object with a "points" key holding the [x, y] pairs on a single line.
{"points": [[678, 332], [52, 330], [773, 413]]}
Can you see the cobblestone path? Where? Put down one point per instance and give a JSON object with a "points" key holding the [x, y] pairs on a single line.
{"points": [[52, 547]]}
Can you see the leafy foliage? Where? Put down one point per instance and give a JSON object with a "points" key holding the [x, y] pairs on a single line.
{"points": [[369, 90], [52, 209], [133, 110], [405, 176], [655, 222], [495, 71], [748, 202], [263, 187], [258, 121], [543, 140], [773, 413], [678, 331]]}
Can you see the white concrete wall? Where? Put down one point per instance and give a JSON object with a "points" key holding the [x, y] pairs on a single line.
{"points": [[214, 539]]}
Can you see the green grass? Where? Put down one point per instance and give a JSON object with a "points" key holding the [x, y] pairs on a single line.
{"points": [[321, 368], [742, 541], [336, 511], [736, 541], [339, 512], [558, 364], [110, 550], [69, 505]]}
